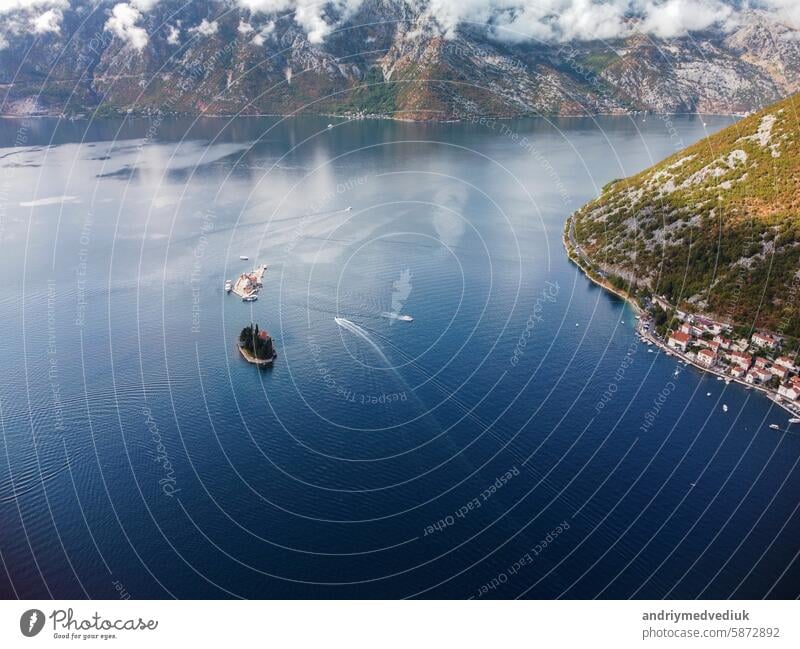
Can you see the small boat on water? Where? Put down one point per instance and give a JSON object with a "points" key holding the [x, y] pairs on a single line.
{"points": [[794, 420], [774, 427], [250, 298], [228, 286], [724, 407], [719, 378], [727, 381], [708, 394], [244, 257], [397, 316], [349, 208]]}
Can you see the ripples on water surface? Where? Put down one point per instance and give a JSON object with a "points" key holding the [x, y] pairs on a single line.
{"points": [[386, 459]]}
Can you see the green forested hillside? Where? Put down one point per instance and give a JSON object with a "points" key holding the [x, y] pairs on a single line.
{"points": [[715, 228]]}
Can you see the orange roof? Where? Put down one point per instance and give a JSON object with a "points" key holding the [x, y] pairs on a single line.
{"points": [[681, 337]]}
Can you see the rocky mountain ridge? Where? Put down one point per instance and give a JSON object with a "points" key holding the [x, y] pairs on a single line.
{"points": [[385, 58], [714, 228]]}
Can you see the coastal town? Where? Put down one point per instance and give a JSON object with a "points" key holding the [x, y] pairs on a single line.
{"points": [[756, 362]]}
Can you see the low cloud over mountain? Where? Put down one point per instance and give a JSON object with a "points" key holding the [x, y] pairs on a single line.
{"points": [[412, 58]]}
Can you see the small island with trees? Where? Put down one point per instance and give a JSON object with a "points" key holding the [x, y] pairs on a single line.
{"points": [[256, 346]]}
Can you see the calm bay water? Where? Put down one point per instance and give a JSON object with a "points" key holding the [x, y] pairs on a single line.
{"points": [[514, 440]]}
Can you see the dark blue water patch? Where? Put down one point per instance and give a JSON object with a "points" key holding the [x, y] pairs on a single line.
{"points": [[141, 450]]}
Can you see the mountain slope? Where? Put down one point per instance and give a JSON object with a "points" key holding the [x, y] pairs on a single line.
{"points": [[387, 58], [714, 228]]}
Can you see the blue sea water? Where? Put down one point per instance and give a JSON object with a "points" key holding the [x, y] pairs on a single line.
{"points": [[514, 440]]}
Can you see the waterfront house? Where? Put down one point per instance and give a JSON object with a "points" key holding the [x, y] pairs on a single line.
{"points": [[762, 375], [725, 343], [764, 340], [741, 359], [780, 372], [706, 357], [757, 376], [741, 345], [789, 391], [737, 372], [706, 325], [679, 340]]}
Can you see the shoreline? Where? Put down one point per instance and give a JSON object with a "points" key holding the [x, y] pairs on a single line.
{"points": [[770, 394], [260, 362], [87, 116], [575, 258]]}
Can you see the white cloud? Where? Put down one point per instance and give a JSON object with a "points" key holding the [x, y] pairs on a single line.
{"points": [[123, 24], [144, 5], [318, 19], [679, 17], [244, 27], [30, 17], [206, 28], [264, 33], [174, 36], [562, 20], [49, 21], [787, 10]]}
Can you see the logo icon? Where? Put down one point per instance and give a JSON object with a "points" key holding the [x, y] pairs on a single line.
{"points": [[31, 622]]}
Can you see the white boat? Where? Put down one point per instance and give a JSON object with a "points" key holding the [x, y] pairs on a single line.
{"points": [[349, 208], [250, 298], [244, 257], [649, 351], [397, 316], [724, 407], [228, 286], [708, 394], [727, 381], [330, 125], [774, 427], [794, 420], [719, 378]]}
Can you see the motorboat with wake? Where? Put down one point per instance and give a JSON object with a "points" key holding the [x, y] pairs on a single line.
{"points": [[396, 316]]}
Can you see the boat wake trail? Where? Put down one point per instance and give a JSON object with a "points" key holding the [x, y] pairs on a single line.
{"points": [[352, 327]]}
